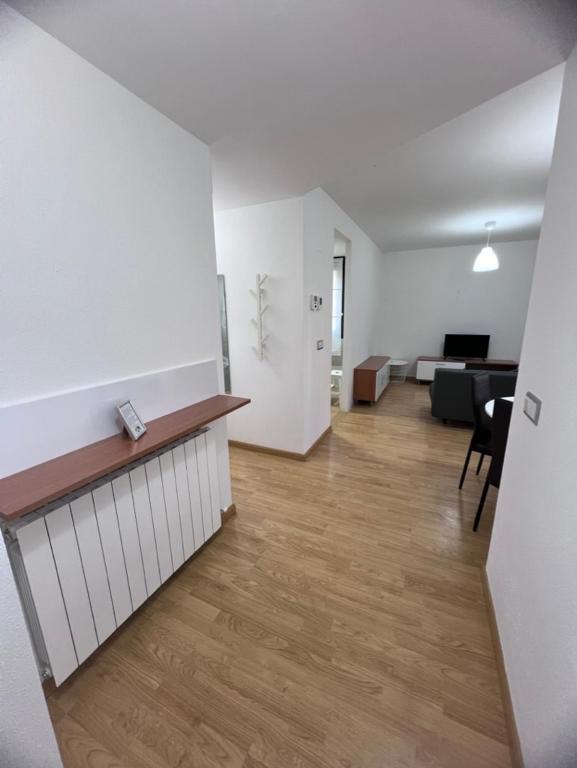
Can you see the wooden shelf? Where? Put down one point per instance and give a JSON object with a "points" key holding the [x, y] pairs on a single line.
{"points": [[487, 364], [373, 363], [39, 485]]}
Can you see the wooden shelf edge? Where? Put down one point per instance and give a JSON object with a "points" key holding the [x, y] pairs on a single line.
{"points": [[39, 485], [373, 363]]}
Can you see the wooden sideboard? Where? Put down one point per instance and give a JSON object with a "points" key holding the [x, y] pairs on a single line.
{"points": [[371, 378], [427, 365]]}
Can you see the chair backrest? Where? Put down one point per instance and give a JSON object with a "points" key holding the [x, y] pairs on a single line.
{"points": [[503, 383], [501, 419], [481, 390]]}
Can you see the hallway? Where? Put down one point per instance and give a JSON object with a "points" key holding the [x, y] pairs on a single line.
{"points": [[337, 620]]}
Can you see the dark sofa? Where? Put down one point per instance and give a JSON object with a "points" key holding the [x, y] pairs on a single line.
{"points": [[451, 391]]}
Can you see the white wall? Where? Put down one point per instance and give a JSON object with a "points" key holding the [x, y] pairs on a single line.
{"points": [[107, 271], [107, 238], [322, 216], [427, 293], [533, 555], [108, 262], [72, 419], [267, 239]]}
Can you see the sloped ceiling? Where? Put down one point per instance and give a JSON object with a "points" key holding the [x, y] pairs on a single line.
{"points": [[491, 163], [295, 94]]}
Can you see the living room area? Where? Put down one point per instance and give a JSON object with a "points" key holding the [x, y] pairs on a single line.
{"points": [[417, 228], [457, 329], [458, 333], [459, 230]]}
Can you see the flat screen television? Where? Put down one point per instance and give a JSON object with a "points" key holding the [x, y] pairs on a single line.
{"points": [[466, 345]]}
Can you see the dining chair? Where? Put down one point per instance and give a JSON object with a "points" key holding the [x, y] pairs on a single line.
{"points": [[501, 419], [481, 437]]}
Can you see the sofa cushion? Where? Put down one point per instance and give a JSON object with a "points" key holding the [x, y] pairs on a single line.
{"points": [[451, 391]]}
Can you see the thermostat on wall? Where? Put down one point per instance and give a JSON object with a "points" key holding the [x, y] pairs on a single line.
{"points": [[131, 420], [316, 302]]}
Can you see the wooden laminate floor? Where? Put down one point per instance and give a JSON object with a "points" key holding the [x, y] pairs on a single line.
{"points": [[337, 622]]}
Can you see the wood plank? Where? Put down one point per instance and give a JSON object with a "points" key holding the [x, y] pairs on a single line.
{"points": [[374, 363], [32, 488]]}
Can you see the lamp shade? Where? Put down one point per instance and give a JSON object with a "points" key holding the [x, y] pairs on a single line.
{"points": [[486, 261]]}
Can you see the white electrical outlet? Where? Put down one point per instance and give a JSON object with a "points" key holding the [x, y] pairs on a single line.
{"points": [[532, 407]]}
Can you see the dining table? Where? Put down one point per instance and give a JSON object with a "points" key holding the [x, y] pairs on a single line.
{"points": [[490, 405]]}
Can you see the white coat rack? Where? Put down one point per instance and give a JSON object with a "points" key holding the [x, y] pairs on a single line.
{"points": [[260, 310]]}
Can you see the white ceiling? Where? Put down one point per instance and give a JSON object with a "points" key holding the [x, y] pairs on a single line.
{"points": [[292, 94], [491, 163]]}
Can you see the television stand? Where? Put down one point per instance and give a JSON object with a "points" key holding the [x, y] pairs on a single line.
{"points": [[426, 365]]}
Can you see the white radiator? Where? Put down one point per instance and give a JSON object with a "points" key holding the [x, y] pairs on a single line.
{"points": [[91, 562]]}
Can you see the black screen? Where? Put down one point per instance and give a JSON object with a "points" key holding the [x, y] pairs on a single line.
{"points": [[466, 345]]}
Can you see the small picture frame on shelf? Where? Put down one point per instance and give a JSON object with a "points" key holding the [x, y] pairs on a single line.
{"points": [[132, 422]]}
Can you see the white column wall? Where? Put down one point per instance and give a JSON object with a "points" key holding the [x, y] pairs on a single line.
{"points": [[531, 565], [265, 239]]}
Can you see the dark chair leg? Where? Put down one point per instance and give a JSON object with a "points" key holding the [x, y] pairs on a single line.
{"points": [[481, 504], [480, 464], [464, 472]]}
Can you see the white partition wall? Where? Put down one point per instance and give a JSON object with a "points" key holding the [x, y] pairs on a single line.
{"points": [[533, 555], [292, 241]]}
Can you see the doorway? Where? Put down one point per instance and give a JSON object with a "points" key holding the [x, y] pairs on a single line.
{"points": [[339, 270]]}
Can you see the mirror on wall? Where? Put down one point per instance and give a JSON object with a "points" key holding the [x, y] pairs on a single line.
{"points": [[338, 313], [224, 331]]}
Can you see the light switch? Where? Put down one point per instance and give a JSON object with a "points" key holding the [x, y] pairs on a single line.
{"points": [[532, 407], [320, 344]]}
